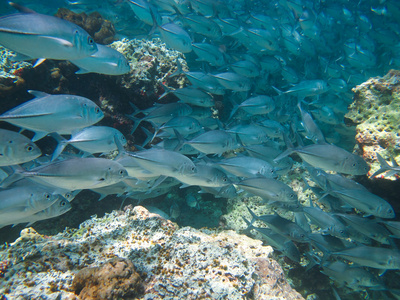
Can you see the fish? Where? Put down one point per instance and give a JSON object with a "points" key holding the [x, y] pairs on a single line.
{"points": [[165, 163], [92, 139], [213, 142], [160, 114], [106, 61], [209, 53], [329, 157], [36, 36], [277, 241], [58, 208], [20, 202], [258, 105], [191, 95], [78, 173], [16, 148], [282, 226], [206, 176], [233, 81], [268, 189], [373, 257], [53, 113], [394, 169], [244, 166]]}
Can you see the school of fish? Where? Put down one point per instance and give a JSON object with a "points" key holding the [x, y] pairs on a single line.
{"points": [[283, 70]]}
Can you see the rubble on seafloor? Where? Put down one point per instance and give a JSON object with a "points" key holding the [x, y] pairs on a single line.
{"points": [[375, 113], [146, 256]]}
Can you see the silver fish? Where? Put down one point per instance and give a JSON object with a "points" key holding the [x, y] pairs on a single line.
{"points": [[213, 142], [268, 189], [244, 166], [53, 113], [20, 202], [78, 173], [59, 207], [33, 35], [164, 162], [105, 61], [233, 81], [330, 157], [92, 139], [16, 148], [373, 257], [207, 176]]}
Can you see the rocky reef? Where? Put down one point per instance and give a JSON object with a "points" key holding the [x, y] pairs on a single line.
{"points": [[375, 113], [101, 30], [142, 256]]}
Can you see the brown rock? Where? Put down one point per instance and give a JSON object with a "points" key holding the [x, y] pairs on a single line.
{"points": [[115, 279]]}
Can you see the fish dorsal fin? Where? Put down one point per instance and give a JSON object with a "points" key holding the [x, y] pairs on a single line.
{"points": [[38, 94], [21, 8]]}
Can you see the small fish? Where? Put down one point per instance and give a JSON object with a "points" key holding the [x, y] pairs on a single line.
{"points": [[394, 169], [53, 113], [191, 95], [257, 105], [106, 61], [213, 142], [233, 81], [92, 139], [268, 189], [206, 175], [16, 148], [36, 36], [244, 166], [282, 226]]}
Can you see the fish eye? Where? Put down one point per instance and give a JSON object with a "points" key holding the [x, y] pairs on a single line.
{"points": [[63, 203], [302, 235], [354, 164], [10, 142], [47, 196], [121, 172], [97, 110], [29, 148], [341, 231], [90, 40], [193, 169]]}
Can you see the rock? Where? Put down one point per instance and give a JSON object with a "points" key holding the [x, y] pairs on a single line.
{"points": [[114, 279], [183, 263], [375, 113]]}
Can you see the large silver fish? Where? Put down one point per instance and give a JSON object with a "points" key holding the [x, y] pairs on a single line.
{"points": [[53, 113], [331, 158], [59, 207], [20, 202], [16, 148], [78, 173], [34, 35]]}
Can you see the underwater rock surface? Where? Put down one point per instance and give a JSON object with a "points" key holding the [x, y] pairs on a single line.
{"points": [[375, 112], [171, 262]]}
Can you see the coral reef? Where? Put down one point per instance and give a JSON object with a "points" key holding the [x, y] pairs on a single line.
{"points": [[174, 263], [101, 30], [375, 112]]}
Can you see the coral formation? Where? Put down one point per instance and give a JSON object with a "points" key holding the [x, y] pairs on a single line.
{"points": [[181, 263], [101, 30], [375, 112]]}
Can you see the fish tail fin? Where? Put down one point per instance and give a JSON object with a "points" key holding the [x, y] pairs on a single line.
{"points": [[278, 91], [61, 144], [290, 148], [394, 163], [234, 109], [384, 166], [179, 69], [167, 90], [14, 174], [155, 23], [253, 215], [181, 140], [136, 123], [249, 225], [149, 136]]}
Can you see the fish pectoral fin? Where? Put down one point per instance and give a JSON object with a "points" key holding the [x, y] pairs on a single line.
{"points": [[39, 135], [38, 62], [59, 41], [82, 71]]}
